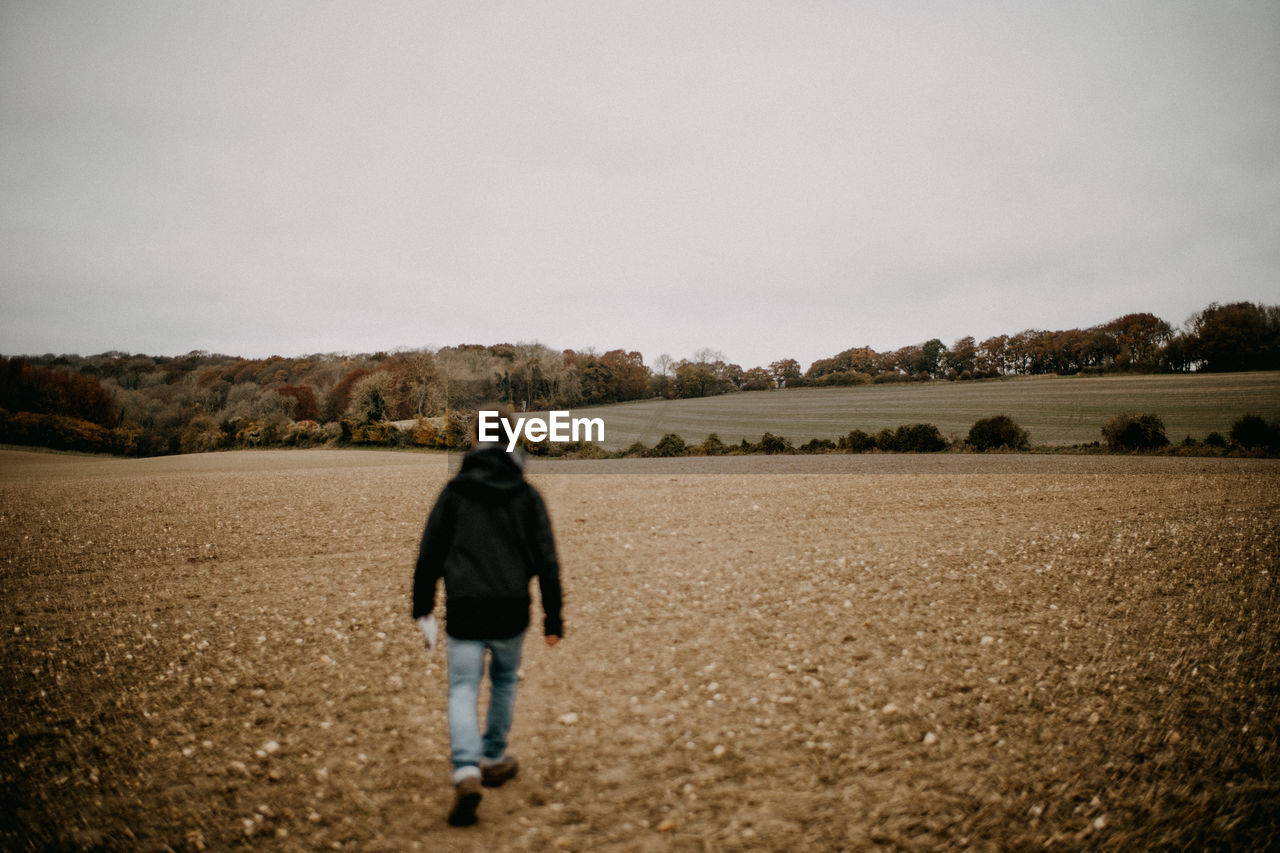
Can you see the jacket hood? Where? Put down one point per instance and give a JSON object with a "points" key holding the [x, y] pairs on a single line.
{"points": [[490, 471]]}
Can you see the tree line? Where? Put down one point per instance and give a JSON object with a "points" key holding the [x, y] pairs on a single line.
{"points": [[1250, 435], [148, 405], [1219, 338]]}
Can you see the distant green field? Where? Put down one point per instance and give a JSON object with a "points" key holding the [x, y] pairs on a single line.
{"points": [[1055, 410]]}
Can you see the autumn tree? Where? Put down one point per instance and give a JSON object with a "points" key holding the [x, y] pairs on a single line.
{"points": [[1238, 336], [339, 396], [305, 407], [597, 380], [469, 375], [630, 373], [533, 376], [962, 358], [660, 376], [415, 384], [862, 360], [992, 357], [783, 371], [372, 398], [28, 388], [930, 358], [615, 376], [1138, 340], [757, 379], [693, 379]]}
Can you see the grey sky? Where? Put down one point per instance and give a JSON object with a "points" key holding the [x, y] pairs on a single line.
{"points": [[770, 180]]}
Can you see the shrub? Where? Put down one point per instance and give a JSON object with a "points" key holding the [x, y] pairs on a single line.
{"points": [[273, 428], [1126, 433], [670, 445], [57, 431], [541, 448], [379, 433], [713, 446], [771, 444], [995, 432], [202, 434], [818, 445], [856, 441], [454, 431], [303, 434], [911, 438], [1215, 439], [247, 433], [1252, 432], [920, 438], [587, 450], [424, 433], [841, 378], [126, 441]]}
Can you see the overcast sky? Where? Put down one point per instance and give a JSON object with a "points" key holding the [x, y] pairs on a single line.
{"points": [[767, 179]]}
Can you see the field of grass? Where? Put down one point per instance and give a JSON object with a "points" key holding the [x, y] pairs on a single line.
{"points": [[947, 652], [1056, 410]]}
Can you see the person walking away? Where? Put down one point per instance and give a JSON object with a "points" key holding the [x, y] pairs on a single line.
{"points": [[487, 536]]}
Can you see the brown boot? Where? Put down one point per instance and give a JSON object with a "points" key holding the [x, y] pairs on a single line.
{"points": [[500, 771], [466, 796]]}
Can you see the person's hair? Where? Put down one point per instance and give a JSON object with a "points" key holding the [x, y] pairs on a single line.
{"points": [[505, 416]]}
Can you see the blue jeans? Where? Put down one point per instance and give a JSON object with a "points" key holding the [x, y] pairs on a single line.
{"points": [[466, 668]]}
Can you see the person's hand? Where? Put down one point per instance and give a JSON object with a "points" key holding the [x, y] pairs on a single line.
{"points": [[551, 639], [427, 624]]}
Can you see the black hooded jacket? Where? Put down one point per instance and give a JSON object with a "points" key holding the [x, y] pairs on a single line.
{"points": [[487, 536]]}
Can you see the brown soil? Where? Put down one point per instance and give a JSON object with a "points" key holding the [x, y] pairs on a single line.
{"points": [[952, 652]]}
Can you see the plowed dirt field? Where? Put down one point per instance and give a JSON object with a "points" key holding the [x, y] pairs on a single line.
{"points": [[831, 653]]}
